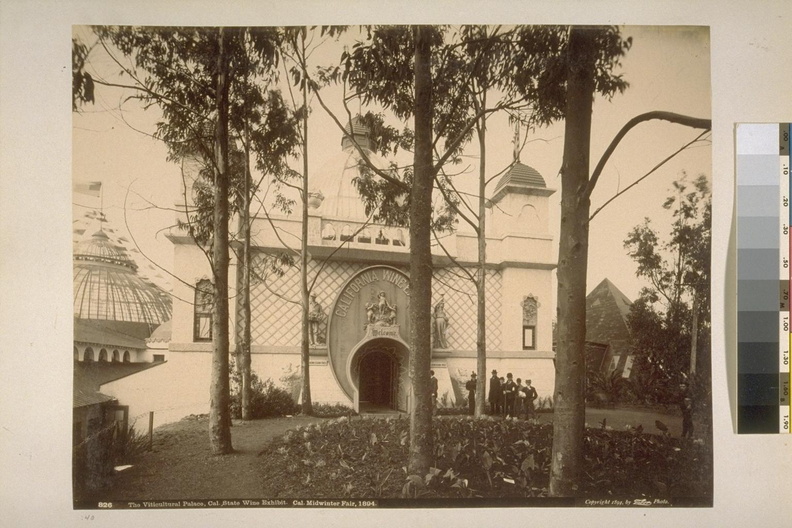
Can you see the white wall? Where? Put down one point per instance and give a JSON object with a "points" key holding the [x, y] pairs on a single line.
{"points": [[518, 283], [174, 389]]}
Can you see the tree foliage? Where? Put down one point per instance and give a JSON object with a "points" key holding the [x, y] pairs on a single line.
{"points": [[678, 267], [82, 81]]}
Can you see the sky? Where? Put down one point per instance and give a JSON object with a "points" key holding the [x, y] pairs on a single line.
{"points": [[668, 68]]}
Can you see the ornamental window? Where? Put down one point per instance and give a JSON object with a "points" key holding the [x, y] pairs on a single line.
{"points": [[530, 306]]}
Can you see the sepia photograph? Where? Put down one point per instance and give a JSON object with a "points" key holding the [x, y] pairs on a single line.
{"points": [[391, 266]]}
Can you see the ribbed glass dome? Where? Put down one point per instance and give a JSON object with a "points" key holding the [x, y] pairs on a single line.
{"points": [[107, 286]]}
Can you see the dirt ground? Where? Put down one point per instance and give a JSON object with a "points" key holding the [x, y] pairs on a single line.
{"points": [[180, 465]]}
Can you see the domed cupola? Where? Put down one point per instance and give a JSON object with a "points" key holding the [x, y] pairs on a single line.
{"points": [[107, 288]]}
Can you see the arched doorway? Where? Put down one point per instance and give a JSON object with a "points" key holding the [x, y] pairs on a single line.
{"points": [[379, 370]]}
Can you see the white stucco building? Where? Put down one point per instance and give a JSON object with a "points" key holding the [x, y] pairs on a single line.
{"points": [[360, 276]]}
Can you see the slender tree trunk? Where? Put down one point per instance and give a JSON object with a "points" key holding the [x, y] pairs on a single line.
{"points": [[421, 432], [243, 294], [569, 416], [307, 406], [481, 287], [694, 332], [219, 400]]}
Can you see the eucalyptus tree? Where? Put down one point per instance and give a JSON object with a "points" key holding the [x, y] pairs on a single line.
{"points": [[517, 67], [591, 51], [194, 75], [415, 73], [297, 44]]}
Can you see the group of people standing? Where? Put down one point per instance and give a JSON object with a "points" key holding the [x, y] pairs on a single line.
{"points": [[511, 398], [506, 397]]}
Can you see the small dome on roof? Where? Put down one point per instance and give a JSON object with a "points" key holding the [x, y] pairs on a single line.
{"points": [[360, 132], [521, 179], [522, 175]]}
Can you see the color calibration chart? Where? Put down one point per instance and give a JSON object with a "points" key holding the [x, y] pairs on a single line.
{"points": [[763, 273]]}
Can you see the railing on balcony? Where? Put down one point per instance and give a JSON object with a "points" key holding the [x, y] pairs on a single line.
{"points": [[334, 232]]}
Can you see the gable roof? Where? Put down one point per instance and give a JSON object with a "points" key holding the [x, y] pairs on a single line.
{"points": [[606, 314]]}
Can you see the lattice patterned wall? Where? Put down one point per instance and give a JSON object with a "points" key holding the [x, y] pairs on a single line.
{"points": [[274, 320], [460, 307]]}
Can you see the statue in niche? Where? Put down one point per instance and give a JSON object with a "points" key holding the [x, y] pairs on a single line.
{"points": [[328, 233], [530, 306], [440, 323], [381, 312], [316, 316]]}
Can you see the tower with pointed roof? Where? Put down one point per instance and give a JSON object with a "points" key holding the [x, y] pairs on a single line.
{"points": [[608, 336]]}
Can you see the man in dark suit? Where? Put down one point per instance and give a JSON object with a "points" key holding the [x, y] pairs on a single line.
{"points": [[509, 393], [530, 398], [494, 393]]}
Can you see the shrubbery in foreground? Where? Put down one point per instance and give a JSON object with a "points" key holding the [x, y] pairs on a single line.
{"points": [[367, 458], [266, 400], [332, 410]]}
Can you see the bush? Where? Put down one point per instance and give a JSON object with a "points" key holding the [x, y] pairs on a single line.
{"points": [[544, 404], [93, 459], [604, 390], [266, 400], [126, 448], [634, 464], [332, 410]]}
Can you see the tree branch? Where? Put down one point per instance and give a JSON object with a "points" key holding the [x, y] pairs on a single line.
{"points": [[642, 178], [688, 121], [454, 260]]}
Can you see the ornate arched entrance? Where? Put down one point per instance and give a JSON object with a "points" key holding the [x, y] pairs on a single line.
{"points": [[367, 353], [378, 369]]}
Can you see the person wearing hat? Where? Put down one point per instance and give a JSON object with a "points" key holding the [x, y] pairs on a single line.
{"points": [[509, 393], [530, 398], [494, 393], [471, 388]]}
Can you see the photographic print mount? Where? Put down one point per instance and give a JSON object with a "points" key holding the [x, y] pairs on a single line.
{"points": [[409, 350]]}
